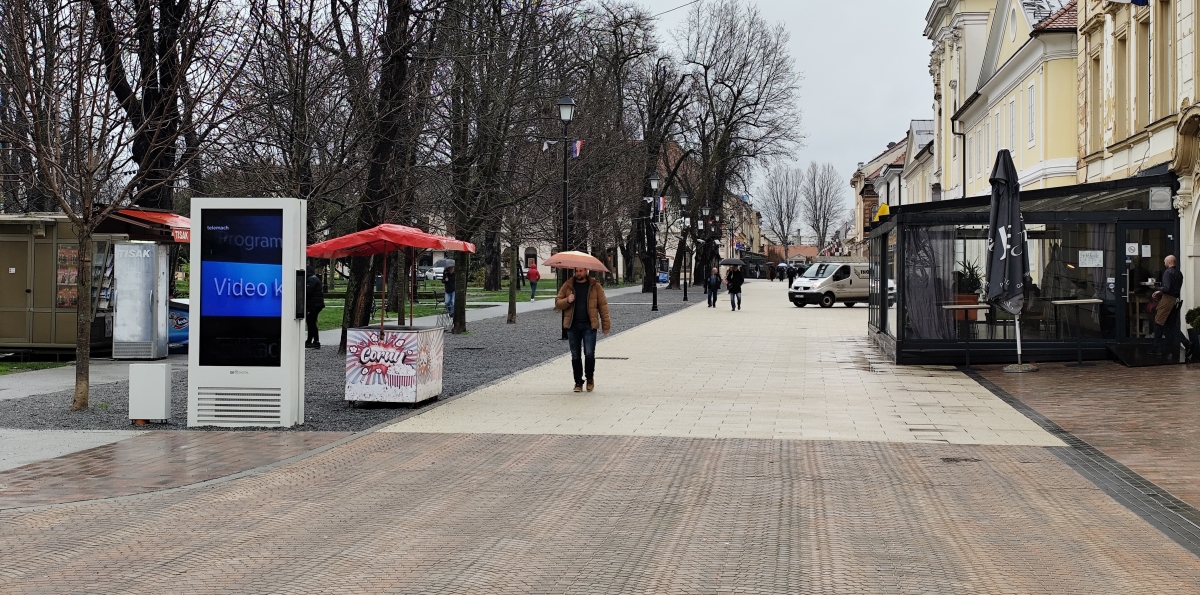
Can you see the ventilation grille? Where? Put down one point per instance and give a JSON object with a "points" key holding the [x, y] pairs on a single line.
{"points": [[238, 406], [133, 350]]}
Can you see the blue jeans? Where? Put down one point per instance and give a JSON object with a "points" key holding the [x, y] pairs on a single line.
{"points": [[450, 300], [532, 289], [582, 337], [712, 297], [735, 300]]}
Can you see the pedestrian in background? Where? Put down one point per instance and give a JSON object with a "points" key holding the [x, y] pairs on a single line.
{"points": [[314, 302], [712, 286], [1166, 319], [533, 276], [585, 310], [791, 272], [733, 282], [450, 287]]}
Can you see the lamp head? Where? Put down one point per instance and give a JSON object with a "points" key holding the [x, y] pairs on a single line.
{"points": [[683, 198], [566, 108], [654, 179], [705, 211]]}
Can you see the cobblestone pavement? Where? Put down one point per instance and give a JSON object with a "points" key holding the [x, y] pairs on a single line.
{"points": [[985, 507], [1148, 419], [149, 462]]}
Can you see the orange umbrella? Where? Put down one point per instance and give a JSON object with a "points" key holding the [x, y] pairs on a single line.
{"points": [[575, 260], [382, 239]]}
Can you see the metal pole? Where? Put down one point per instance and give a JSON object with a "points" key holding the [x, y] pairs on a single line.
{"points": [[563, 274], [654, 252]]}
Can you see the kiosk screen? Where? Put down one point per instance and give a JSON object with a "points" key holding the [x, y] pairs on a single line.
{"points": [[241, 295]]}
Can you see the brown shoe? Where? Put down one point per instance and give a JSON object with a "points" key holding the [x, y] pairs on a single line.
{"points": [[578, 388], [591, 385]]}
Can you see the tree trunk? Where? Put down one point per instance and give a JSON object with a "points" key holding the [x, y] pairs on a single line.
{"points": [[677, 266], [360, 288], [491, 260], [83, 321], [461, 270], [514, 278]]}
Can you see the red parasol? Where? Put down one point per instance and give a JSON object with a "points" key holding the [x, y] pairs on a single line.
{"points": [[572, 259], [383, 239]]}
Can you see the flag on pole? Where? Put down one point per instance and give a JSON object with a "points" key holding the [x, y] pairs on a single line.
{"points": [[576, 148], [1136, 2], [546, 145], [662, 204]]}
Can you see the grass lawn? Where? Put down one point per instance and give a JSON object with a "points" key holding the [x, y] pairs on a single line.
{"points": [[14, 367]]}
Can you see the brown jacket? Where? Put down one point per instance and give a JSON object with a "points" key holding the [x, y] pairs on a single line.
{"points": [[597, 304]]}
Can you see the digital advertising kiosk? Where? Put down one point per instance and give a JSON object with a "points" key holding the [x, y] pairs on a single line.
{"points": [[246, 357]]}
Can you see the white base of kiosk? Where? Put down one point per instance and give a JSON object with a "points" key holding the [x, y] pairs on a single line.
{"points": [[245, 356]]}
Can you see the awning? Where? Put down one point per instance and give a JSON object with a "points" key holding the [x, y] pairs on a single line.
{"points": [[180, 226]]}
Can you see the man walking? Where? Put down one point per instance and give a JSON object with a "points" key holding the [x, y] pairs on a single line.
{"points": [[711, 286], [585, 310], [450, 287], [733, 281], [314, 302], [1166, 320], [791, 272], [533, 276]]}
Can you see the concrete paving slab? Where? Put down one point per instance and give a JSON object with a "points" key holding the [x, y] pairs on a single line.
{"points": [[52, 380], [768, 371], [22, 447]]}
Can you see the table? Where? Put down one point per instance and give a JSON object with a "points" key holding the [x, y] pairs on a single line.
{"points": [[955, 307], [401, 364], [1078, 327]]}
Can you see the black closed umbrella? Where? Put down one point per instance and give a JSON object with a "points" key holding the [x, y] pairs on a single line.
{"points": [[1008, 255]]}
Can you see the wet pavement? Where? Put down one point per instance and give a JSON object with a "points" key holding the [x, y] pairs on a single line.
{"points": [[770, 450]]}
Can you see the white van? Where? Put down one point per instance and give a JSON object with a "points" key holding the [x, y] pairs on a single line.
{"points": [[827, 283]]}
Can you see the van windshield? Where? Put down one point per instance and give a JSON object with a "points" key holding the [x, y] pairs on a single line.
{"points": [[819, 271]]}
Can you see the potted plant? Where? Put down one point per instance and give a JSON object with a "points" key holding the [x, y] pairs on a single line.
{"points": [[1193, 321], [970, 283]]}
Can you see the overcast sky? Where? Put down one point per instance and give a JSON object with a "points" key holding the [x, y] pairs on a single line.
{"points": [[865, 65]]}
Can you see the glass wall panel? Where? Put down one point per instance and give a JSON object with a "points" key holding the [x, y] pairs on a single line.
{"points": [[946, 265], [890, 271]]}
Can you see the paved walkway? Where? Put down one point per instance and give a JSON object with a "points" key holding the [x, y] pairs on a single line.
{"points": [[762, 451], [334, 336]]}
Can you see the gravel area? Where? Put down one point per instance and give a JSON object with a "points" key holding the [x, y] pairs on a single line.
{"points": [[491, 350]]}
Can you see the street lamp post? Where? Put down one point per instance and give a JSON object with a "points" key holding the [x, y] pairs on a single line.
{"points": [[566, 113], [653, 233], [687, 223]]}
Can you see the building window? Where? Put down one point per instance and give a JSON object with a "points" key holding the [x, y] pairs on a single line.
{"points": [[1142, 63], [1032, 113], [1012, 124], [1121, 87], [999, 132], [987, 143], [1164, 59], [1095, 87]]}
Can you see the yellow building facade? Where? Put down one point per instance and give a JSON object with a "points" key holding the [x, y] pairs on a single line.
{"points": [[1137, 108], [1022, 97]]}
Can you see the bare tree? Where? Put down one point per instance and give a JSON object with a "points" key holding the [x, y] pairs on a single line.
{"points": [[743, 108], [86, 151], [780, 201], [822, 206]]}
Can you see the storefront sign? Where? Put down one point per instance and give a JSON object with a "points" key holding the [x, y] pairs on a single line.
{"points": [[1091, 259], [182, 236]]}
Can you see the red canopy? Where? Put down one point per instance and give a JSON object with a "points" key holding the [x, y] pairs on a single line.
{"points": [[383, 239]]}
